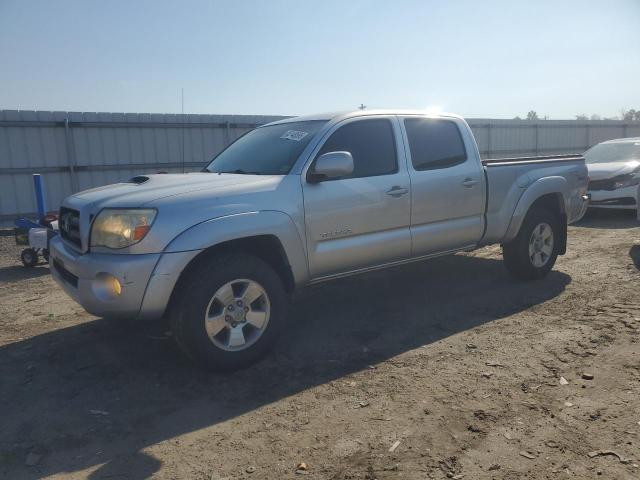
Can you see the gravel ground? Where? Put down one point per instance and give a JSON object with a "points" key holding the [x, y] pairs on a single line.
{"points": [[442, 369]]}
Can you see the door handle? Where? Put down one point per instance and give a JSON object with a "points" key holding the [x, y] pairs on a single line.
{"points": [[469, 182], [397, 191]]}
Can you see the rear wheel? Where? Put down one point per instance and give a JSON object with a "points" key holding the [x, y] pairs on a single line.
{"points": [[534, 251], [228, 311]]}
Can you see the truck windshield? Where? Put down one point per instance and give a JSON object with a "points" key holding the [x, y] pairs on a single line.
{"points": [[613, 152], [270, 150]]}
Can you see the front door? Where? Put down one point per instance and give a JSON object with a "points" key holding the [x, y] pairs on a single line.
{"points": [[361, 220]]}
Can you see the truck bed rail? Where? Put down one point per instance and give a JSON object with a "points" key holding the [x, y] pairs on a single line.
{"points": [[495, 162]]}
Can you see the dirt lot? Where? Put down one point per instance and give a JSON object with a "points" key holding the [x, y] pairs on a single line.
{"points": [[450, 358]]}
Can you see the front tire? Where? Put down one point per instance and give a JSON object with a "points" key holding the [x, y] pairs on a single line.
{"points": [[532, 254], [228, 311]]}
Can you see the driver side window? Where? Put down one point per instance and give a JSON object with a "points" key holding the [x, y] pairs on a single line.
{"points": [[371, 144]]}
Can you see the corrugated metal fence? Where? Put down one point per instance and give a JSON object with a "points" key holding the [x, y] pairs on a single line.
{"points": [[76, 151]]}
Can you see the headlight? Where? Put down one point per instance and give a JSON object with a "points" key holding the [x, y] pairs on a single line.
{"points": [[626, 181], [120, 228]]}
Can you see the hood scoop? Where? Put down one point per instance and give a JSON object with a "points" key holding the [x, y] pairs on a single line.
{"points": [[139, 179]]}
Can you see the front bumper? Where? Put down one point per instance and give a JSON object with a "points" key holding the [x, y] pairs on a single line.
{"points": [[623, 198], [147, 280]]}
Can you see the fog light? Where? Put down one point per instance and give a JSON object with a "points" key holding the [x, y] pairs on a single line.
{"points": [[106, 286]]}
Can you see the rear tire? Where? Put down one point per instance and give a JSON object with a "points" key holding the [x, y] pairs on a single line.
{"points": [[228, 311], [532, 254]]}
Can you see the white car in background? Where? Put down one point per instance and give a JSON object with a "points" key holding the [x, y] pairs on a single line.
{"points": [[614, 173]]}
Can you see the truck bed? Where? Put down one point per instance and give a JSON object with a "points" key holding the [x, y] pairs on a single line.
{"points": [[508, 179]]}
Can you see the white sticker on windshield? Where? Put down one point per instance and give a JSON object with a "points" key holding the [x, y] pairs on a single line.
{"points": [[294, 135]]}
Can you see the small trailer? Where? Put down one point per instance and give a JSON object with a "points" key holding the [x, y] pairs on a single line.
{"points": [[36, 237]]}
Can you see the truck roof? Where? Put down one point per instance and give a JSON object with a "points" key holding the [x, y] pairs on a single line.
{"points": [[341, 115], [624, 140]]}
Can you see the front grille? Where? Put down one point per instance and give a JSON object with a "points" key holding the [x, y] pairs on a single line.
{"points": [[66, 275], [69, 226], [608, 183], [623, 201]]}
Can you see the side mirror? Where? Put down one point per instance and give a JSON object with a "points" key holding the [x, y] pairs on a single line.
{"points": [[331, 165]]}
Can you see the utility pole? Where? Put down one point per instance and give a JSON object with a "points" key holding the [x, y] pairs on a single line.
{"points": [[362, 106]]}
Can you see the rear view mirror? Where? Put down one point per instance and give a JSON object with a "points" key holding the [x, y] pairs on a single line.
{"points": [[331, 165]]}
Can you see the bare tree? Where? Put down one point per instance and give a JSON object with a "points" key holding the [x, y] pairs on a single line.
{"points": [[532, 115], [582, 117], [595, 116]]}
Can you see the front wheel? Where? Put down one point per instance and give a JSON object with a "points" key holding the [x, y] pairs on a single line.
{"points": [[228, 311], [534, 251]]}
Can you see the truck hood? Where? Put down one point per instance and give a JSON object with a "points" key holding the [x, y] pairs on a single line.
{"points": [[184, 200], [147, 190], [601, 171]]}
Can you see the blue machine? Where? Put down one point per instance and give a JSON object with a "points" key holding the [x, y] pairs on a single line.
{"points": [[36, 234]]}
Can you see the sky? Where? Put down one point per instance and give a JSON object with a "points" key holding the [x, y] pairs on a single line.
{"points": [[483, 58]]}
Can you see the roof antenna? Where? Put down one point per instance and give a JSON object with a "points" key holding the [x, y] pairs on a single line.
{"points": [[362, 106], [182, 119]]}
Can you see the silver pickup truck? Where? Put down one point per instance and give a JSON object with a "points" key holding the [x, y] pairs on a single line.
{"points": [[301, 201]]}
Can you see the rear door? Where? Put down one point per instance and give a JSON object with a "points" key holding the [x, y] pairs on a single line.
{"points": [[362, 220], [447, 185]]}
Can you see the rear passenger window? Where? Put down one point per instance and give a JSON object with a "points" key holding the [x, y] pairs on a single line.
{"points": [[434, 143], [371, 144]]}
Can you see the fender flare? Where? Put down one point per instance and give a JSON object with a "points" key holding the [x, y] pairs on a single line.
{"points": [[548, 185], [244, 225]]}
